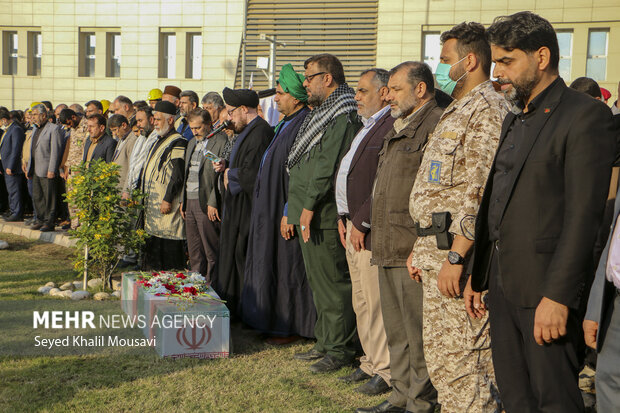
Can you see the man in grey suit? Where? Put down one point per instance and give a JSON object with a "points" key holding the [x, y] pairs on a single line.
{"points": [[601, 326], [201, 200], [45, 156]]}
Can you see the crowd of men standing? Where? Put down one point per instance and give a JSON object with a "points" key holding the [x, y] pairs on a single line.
{"points": [[448, 224]]}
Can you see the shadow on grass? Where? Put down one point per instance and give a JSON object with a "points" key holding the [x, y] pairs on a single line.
{"points": [[33, 383]]}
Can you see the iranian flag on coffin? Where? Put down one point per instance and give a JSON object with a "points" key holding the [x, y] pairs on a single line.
{"points": [[204, 329], [129, 294], [207, 337]]}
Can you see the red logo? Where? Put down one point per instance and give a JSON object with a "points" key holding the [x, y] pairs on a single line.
{"points": [[197, 338]]}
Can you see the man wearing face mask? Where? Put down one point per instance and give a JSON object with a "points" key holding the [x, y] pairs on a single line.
{"points": [[443, 204]]}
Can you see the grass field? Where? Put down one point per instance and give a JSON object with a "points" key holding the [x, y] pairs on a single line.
{"points": [[258, 377]]}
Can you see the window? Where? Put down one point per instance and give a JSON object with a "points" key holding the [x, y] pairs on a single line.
{"points": [[168, 55], [113, 61], [10, 55], [88, 43], [565, 41], [193, 66], [34, 53], [432, 49], [596, 64]]}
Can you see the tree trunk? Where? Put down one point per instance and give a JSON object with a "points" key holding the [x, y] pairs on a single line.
{"points": [[85, 283]]}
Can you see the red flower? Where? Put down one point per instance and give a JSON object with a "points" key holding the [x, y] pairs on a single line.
{"points": [[154, 274], [181, 276], [191, 290], [169, 287]]}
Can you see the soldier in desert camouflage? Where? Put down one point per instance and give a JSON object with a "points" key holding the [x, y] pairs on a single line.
{"points": [[449, 184]]}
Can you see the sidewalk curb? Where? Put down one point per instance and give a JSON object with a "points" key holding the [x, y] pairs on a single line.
{"points": [[55, 237]]}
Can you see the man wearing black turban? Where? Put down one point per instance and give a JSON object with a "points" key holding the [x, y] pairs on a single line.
{"points": [[239, 175]]}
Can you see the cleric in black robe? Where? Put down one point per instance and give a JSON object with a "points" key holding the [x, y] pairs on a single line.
{"points": [[276, 297], [239, 176]]}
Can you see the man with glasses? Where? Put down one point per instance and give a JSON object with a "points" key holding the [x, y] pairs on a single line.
{"points": [[322, 140], [239, 173]]}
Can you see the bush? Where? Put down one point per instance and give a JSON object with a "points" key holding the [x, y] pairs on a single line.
{"points": [[106, 228]]}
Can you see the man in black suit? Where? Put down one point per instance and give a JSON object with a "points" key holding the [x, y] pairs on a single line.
{"points": [[538, 219], [99, 145]]}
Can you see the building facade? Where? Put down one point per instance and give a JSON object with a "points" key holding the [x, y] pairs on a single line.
{"points": [[73, 50]]}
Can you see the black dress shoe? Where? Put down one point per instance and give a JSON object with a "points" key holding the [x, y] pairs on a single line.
{"points": [[357, 375], [385, 407], [327, 364], [45, 228], [36, 225], [14, 218], [374, 386], [309, 355]]}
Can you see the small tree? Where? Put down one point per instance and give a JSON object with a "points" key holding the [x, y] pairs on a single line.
{"points": [[107, 222]]}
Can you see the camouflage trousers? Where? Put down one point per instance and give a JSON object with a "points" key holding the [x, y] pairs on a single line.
{"points": [[457, 348]]}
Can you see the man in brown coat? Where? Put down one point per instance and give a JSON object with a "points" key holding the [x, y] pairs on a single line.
{"points": [[411, 97]]}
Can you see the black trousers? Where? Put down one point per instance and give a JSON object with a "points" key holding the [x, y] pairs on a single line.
{"points": [[532, 378], [44, 194], [161, 254], [62, 207]]}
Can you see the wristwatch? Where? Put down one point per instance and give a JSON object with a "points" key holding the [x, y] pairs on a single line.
{"points": [[455, 258]]}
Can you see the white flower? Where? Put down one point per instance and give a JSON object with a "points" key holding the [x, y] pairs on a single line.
{"points": [[197, 278]]}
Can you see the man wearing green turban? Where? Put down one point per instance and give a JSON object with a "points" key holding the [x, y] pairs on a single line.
{"points": [[274, 262], [293, 83]]}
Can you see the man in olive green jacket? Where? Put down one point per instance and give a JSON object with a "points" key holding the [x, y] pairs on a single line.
{"points": [[324, 137]]}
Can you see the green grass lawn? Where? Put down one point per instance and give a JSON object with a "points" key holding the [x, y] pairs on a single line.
{"points": [[258, 377]]}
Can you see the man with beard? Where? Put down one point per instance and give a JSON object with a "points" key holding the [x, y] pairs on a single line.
{"points": [[162, 184], [188, 101], [74, 148], [412, 103], [443, 204], [538, 219], [141, 148], [201, 202], [239, 177], [354, 183], [119, 126], [322, 141], [276, 297]]}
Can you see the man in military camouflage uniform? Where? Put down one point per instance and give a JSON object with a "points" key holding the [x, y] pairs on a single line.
{"points": [[451, 179], [73, 149]]}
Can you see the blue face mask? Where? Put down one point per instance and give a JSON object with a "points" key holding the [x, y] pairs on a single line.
{"points": [[444, 81]]}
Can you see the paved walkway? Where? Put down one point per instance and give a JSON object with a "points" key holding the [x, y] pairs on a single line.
{"points": [[56, 237]]}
